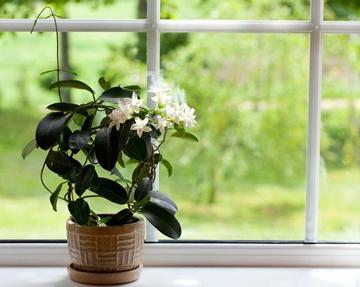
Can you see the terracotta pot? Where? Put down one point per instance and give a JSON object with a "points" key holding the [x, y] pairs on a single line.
{"points": [[105, 249]]}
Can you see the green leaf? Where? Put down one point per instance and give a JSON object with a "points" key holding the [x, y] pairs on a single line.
{"points": [[29, 148], [110, 190], [87, 178], [106, 148], [163, 201], [78, 140], [72, 84], [104, 84], [162, 220], [80, 211], [55, 70], [138, 148], [185, 135], [120, 160], [134, 88], [113, 95], [54, 197], [167, 165], [122, 217], [63, 107], [143, 188], [49, 128]]}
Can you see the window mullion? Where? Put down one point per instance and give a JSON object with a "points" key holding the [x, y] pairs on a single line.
{"points": [[153, 78], [314, 122]]}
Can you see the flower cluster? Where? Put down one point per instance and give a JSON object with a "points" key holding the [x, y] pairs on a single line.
{"points": [[165, 115]]}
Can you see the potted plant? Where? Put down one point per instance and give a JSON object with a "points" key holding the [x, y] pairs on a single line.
{"points": [[89, 146]]}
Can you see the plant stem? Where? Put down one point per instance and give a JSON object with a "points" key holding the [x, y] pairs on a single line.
{"points": [[57, 43]]}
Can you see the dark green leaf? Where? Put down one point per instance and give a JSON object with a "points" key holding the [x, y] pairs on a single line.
{"points": [[49, 128], [72, 84], [110, 190], [86, 126], [185, 135], [58, 162], [54, 197], [29, 148], [63, 139], [122, 217], [123, 134], [138, 148], [157, 157], [140, 172], [104, 84], [143, 188], [78, 140], [86, 178], [106, 143], [134, 88], [163, 201], [167, 165], [113, 95], [90, 153], [163, 220], [63, 165], [63, 107], [80, 211]]}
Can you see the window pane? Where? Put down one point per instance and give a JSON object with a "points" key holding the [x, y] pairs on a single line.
{"points": [[342, 10], [245, 178], [235, 9], [340, 193], [93, 9], [25, 206]]}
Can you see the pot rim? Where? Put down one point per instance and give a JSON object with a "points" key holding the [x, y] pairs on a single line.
{"points": [[137, 223]]}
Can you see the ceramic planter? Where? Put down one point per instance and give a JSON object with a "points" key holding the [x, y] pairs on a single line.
{"points": [[105, 255]]}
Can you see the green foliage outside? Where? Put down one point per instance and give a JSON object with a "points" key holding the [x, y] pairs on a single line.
{"points": [[246, 176]]}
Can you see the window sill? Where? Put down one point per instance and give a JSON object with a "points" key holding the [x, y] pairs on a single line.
{"points": [[196, 276], [199, 254]]}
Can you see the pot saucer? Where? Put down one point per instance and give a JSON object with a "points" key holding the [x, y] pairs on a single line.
{"points": [[104, 278]]}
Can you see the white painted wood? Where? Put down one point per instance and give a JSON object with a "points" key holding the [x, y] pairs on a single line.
{"points": [[153, 77], [195, 277], [72, 25], [170, 26], [313, 138], [186, 254], [242, 26]]}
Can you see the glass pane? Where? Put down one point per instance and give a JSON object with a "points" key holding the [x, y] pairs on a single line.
{"points": [[235, 9], [342, 10], [340, 192], [245, 178], [24, 94], [93, 9]]}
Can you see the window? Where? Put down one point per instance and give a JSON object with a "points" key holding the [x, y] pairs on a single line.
{"points": [[267, 86]]}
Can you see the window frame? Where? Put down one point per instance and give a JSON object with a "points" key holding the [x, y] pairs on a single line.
{"points": [[309, 252]]}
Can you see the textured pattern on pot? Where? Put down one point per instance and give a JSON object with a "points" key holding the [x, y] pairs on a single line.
{"points": [[105, 249]]}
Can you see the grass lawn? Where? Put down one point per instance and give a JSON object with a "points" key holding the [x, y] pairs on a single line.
{"points": [[252, 211]]}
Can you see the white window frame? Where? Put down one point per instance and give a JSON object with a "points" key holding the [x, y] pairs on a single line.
{"points": [[307, 253]]}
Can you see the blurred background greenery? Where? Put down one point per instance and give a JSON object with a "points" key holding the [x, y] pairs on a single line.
{"points": [[245, 179]]}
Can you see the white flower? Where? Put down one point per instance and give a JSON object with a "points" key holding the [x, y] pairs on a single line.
{"points": [[141, 126], [161, 95], [188, 116], [119, 116], [173, 112], [162, 124], [133, 104], [181, 113]]}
